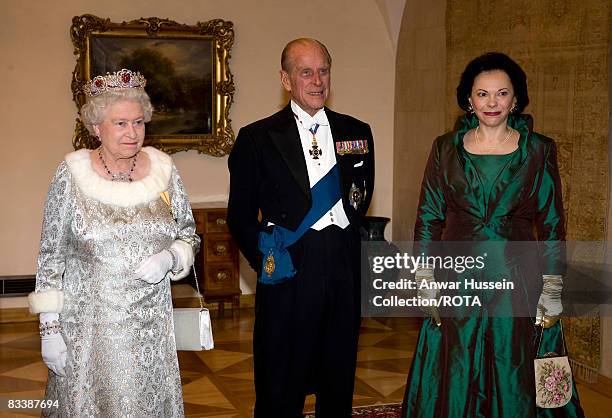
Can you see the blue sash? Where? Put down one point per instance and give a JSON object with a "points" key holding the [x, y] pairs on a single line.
{"points": [[277, 265]]}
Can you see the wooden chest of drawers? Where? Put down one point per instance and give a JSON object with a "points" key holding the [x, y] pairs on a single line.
{"points": [[217, 262]]}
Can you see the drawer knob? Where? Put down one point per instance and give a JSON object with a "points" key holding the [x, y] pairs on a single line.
{"points": [[221, 248], [222, 275], [221, 221]]}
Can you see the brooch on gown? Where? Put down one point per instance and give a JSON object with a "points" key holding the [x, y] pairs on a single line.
{"points": [[166, 198]]}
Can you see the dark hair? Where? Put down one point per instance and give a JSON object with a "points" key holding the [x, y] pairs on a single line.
{"points": [[489, 62], [286, 65]]}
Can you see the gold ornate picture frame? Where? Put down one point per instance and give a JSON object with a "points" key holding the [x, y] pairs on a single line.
{"points": [[187, 71]]}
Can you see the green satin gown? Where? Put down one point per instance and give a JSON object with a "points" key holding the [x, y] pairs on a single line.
{"points": [[479, 362]]}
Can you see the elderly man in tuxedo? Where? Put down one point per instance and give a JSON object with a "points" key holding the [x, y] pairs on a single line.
{"points": [[300, 182]]}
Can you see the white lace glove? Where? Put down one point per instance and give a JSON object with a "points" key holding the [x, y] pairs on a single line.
{"points": [[52, 345], [549, 304], [154, 269], [424, 278]]}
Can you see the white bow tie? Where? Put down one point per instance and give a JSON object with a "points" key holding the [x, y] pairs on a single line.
{"points": [[308, 122]]}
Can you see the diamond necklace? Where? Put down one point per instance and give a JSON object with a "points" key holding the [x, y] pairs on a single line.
{"points": [[494, 147], [120, 176]]}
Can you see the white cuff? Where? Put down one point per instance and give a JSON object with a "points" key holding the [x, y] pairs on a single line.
{"points": [[51, 300], [185, 255]]}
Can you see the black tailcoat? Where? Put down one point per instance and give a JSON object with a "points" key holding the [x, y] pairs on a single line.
{"points": [[268, 174], [306, 328]]}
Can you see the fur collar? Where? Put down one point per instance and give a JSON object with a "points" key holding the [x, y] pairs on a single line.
{"points": [[119, 193]]}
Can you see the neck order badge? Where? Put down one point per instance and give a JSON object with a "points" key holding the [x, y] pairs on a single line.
{"points": [[315, 152]]}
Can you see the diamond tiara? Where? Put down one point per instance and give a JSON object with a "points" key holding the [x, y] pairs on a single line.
{"points": [[122, 79]]}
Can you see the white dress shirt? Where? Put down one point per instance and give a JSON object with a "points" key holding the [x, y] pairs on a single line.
{"points": [[318, 168]]}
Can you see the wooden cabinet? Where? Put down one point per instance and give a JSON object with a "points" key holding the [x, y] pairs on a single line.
{"points": [[217, 262]]}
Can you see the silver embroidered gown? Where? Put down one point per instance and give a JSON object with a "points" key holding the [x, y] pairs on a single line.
{"points": [[119, 333]]}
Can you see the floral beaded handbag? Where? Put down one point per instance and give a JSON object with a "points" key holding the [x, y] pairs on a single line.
{"points": [[553, 377]]}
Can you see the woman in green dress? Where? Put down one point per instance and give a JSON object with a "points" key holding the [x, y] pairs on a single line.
{"points": [[491, 182]]}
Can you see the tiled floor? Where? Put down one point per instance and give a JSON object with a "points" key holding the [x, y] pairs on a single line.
{"points": [[219, 383]]}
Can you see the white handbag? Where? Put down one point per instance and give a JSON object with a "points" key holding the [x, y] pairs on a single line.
{"points": [[192, 327]]}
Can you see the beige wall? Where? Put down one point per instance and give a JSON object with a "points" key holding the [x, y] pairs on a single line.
{"points": [[420, 99], [37, 113]]}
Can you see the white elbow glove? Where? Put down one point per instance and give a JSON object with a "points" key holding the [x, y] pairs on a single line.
{"points": [[424, 278], [549, 305], [53, 348], [154, 269]]}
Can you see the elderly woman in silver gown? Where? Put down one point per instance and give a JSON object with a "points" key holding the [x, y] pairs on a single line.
{"points": [[117, 228]]}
